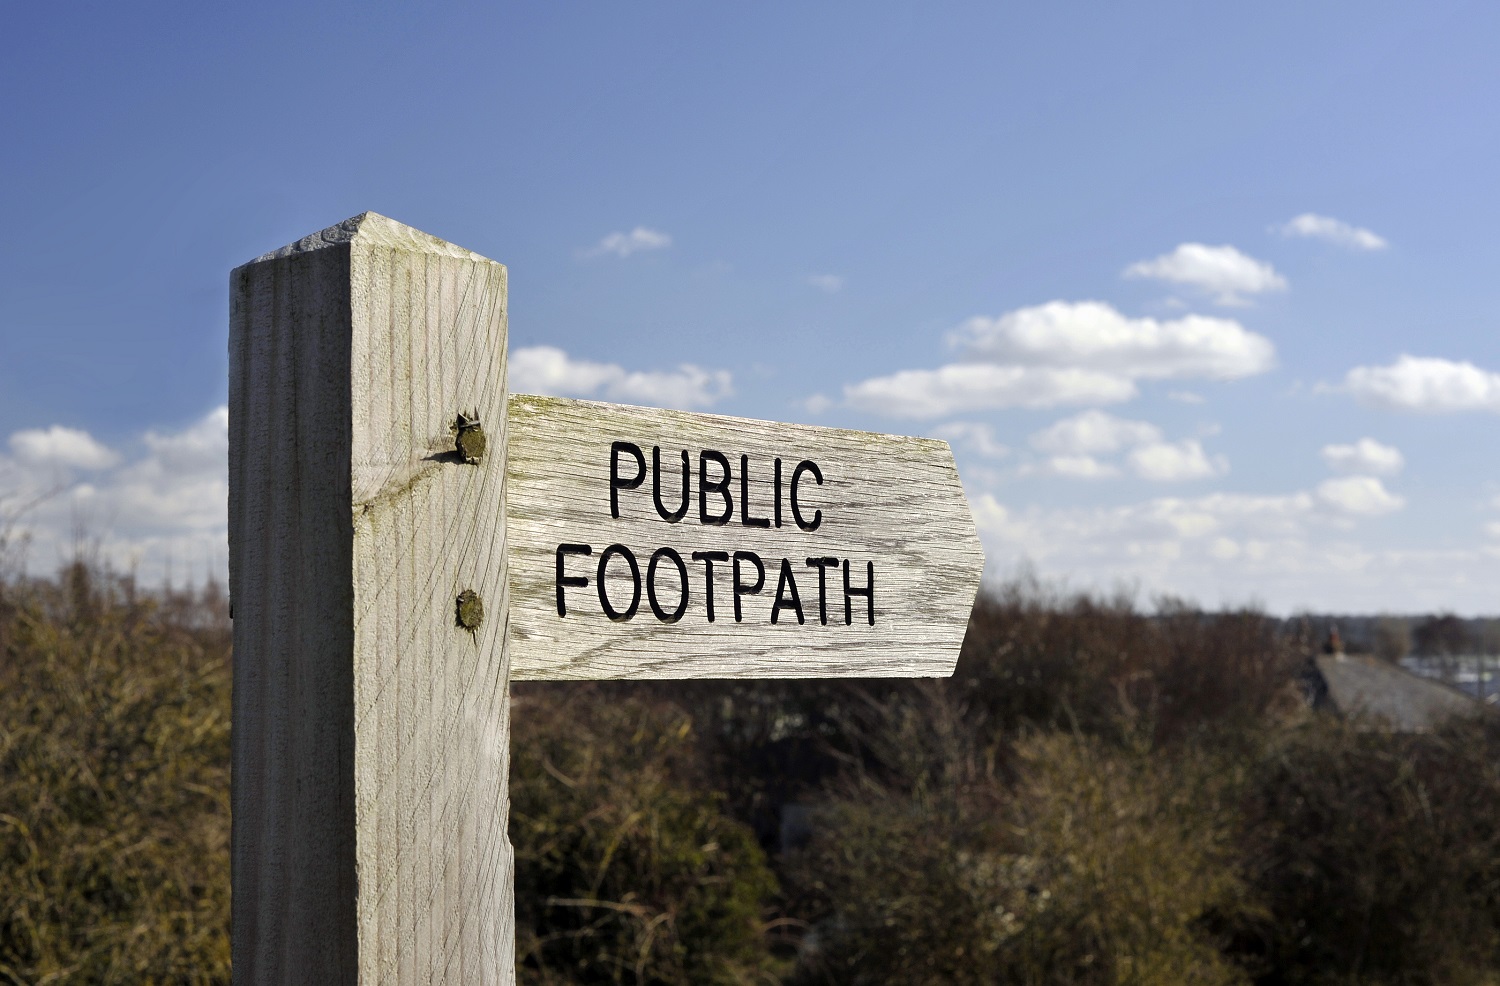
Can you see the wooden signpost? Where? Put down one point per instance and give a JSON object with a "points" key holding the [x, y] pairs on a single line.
{"points": [[405, 539]]}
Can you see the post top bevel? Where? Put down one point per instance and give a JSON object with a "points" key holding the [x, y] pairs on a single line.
{"points": [[376, 230]]}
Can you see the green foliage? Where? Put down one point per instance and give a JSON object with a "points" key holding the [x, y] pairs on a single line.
{"points": [[114, 790], [627, 870]]}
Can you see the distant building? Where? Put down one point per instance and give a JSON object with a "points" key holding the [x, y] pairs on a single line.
{"points": [[1364, 686], [1475, 674]]}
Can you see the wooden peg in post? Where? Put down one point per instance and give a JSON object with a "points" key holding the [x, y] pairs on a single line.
{"points": [[371, 721]]}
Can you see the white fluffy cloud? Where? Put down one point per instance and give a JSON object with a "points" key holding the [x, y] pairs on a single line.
{"points": [[957, 388], [1173, 462], [62, 447], [1074, 442], [818, 403], [1076, 467], [1221, 271], [1093, 431], [548, 370], [1417, 383], [624, 244], [1313, 226], [1093, 335], [1364, 456], [1364, 496], [975, 436], [1064, 353], [161, 511]]}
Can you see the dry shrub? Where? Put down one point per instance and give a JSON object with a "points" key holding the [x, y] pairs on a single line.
{"points": [[1036, 659], [778, 739], [1132, 857], [114, 789], [906, 873], [1064, 810], [1378, 854], [1101, 865], [1032, 659], [1099, 796], [627, 869], [902, 891], [1213, 674]]}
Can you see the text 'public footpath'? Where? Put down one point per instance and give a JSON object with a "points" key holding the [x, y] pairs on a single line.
{"points": [[666, 584]]}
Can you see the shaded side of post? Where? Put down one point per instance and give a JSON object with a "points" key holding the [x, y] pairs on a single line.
{"points": [[371, 715]]}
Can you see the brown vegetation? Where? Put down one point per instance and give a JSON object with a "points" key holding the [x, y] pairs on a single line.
{"points": [[627, 869], [114, 785], [1099, 795]]}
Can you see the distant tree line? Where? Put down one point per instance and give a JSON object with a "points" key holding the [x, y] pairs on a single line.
{"points": [[1099, 795], [1432, 635]]}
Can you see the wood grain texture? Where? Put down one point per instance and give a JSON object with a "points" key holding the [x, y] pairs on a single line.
{"points": [[371, 732], [886, 500]]}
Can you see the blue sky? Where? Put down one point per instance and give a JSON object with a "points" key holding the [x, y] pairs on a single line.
{"points": [[1204, 297]]}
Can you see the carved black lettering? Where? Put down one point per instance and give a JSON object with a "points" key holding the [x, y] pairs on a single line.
{"points": [[786, 585], [745, 517], [740, 586], [868, 592], [600, 583], [575, 581], [822, 565], [618, 482], [806, 465], [777, 481], [719, 486], [682, 582], [670, 516], [708, 558]]}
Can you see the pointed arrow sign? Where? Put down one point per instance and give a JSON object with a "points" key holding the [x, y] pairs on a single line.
{"points": [[663, 544]]}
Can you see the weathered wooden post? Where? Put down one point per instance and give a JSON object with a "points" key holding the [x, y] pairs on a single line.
{"points": [[399, 528], [371, 710]]}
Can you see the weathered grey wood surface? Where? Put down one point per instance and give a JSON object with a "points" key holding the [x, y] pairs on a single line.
{"points": [[371, 732], [886, 500]]}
